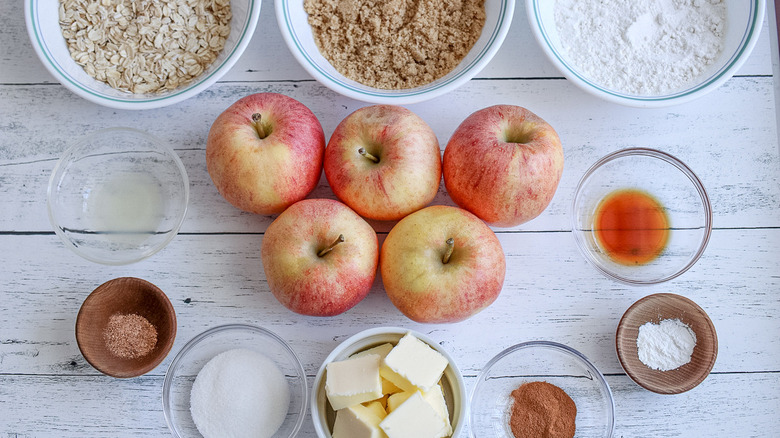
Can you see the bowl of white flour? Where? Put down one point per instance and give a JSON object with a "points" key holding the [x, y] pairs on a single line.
{"points": [[647, 53]]}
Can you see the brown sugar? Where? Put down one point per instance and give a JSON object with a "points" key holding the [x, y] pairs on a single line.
{"points": [[395, 44], [129, 336], [542, 410]]}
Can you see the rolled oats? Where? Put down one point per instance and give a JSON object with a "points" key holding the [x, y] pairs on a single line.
{"points": [[145, 46]]}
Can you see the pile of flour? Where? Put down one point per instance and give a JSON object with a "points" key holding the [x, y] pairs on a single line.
{"points": [[665, 346], [641, 47]]}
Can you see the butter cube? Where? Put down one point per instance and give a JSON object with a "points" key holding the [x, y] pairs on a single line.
{"points": [[414, 418], [382, 350], [353, 381], [413, 365], [388, 387], [357, 422], [397, 399], [435, 397], [377, 408]]}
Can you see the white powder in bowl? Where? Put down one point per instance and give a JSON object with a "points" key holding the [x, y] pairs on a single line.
{"points": [[239, 393], [667, 345], [641, 47]]}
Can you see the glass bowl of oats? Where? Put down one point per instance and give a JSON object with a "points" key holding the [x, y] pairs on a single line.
{"points": [[139, 54], [394, 52]]}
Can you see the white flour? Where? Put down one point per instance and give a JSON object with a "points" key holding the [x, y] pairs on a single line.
{"points": [[641, 47], [667, 345]]}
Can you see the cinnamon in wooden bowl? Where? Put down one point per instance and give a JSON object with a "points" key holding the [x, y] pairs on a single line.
{"points": [[126, 327]]}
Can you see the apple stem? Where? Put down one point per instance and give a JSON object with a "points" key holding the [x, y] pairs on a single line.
{"points": [[365, 153], [332, 245], [448, 252], [256, 118]]}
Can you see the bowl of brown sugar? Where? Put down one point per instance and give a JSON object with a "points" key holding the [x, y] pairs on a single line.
{"points": [[541, 389], [394, 52], [126, 327]]}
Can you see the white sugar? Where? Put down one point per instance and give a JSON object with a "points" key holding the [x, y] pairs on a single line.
{"points": [[667, 345], [239, 393]]}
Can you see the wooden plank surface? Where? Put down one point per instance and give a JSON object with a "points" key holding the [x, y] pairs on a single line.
{"points": [[213, 274]]}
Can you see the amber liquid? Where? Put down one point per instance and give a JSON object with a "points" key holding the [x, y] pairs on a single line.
{"points": [[631, 226]]}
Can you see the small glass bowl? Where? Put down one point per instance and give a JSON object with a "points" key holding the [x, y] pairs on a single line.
{"points": [[202, 348], [452, 383], [118, 196], [562, 366], [673, 185]]}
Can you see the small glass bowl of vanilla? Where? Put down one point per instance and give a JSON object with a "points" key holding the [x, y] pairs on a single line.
{"points": [[641, 216]]}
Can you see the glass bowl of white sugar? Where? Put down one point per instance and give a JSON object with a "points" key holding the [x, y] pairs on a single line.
{"points": [[646, 53], [235, 380], [117, 196]]}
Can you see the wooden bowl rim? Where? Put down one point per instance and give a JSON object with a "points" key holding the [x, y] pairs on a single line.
{"points": [[694, 375], [107, 290]]}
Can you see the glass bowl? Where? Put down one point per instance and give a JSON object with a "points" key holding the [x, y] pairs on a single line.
{"points": [[673, 185], [43, 28], [202, 348], [118, 196], [554, 363], [744, 20], [453, 387], [294, 25]]}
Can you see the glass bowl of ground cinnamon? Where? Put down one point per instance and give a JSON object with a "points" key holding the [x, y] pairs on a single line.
{"points": [[126, 327], [541, 389], [394, 52]]}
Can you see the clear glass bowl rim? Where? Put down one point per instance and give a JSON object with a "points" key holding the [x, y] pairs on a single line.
{"points": [[554, 346], [192, 343], [59, 171], [670, 159]]}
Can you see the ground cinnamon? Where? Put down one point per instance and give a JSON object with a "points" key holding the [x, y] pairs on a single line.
{"points": [[129, 336], [542, 410]]}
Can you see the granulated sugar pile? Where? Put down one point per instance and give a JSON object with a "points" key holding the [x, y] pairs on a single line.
{"points": [[641, 47]]}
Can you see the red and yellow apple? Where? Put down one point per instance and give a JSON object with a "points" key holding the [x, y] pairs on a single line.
{"points": [[503, 163], [265, 152], [384, 162], [319, 257], [442, 264]]}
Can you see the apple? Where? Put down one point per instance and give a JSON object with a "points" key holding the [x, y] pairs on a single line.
{"points": [[264, 152], [384, 162], [442, 264], [319, 257], [503, 163]]}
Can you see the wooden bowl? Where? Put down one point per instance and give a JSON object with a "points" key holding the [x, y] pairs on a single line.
{"points": [[654, 308], [126, 295]]}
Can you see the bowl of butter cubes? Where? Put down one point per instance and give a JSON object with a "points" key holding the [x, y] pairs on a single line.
{"points": [[388, 381]]}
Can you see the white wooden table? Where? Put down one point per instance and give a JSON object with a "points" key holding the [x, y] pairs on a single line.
{"points": [[213, 275]]}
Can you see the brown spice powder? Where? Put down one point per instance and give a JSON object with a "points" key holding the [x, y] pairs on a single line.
{"points": [[542, 410], [395, 44], [129, 336]]}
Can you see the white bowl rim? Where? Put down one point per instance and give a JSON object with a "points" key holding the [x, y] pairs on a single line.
{"points": [[554, 346], [167, 381], [153, 101], [385, 331], [746, 45], [682, 167], [398, 97], [152, 139]]}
